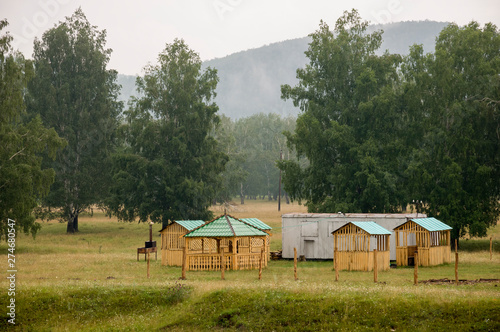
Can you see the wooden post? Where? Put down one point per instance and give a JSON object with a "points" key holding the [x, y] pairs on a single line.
{"points": [[336, 260], [279, 185], [491, 247], [234, 262], [375, 267], [456, 262], [148, 264], [415, 271], [184, 261], [260, 263], [295, 262], [222, 264]]}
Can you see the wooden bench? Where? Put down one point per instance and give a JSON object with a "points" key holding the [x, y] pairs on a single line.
{"points": [[145, 250]]}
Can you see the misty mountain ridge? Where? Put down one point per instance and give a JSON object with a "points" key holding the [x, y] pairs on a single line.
{"points": [[250, 81]]}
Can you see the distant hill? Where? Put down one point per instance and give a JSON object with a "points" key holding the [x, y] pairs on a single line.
{"points": [[250, 81]]}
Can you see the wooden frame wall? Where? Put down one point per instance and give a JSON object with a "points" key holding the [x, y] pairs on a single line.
{"points": [[433, 247], [352, 249]]}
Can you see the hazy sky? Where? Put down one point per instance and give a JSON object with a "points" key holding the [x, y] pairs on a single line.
{"points": [[138, 30]]}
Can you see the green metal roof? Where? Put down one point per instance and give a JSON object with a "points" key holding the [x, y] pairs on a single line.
{"points": [[256, 222], [370, 227], [190, 224], [431, 224], [225, 226]]}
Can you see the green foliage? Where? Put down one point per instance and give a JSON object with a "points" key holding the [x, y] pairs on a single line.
{"points": [[348, 122], [23, 180], [455, 94], [254, 145], [234, 174], [73, 92], [382, 131], [170, 165]]}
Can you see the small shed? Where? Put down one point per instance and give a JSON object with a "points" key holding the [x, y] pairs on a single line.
{"points": [[355, 243], [172, 243], [238, 241], [428, 236]]}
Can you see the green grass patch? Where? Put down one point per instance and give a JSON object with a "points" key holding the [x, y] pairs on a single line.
{"points": [[479, 245], [47, 307], [282, 311]]}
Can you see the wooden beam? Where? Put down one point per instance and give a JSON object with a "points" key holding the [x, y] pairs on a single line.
{"points": [[415, 271], [295, 263], [184, 260], [456, 262], [335, 258]]}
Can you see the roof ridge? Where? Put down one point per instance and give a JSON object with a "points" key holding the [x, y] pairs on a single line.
{"points": [[229, 224]]}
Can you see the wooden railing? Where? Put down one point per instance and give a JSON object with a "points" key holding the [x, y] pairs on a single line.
{"points": [[211, 262]]}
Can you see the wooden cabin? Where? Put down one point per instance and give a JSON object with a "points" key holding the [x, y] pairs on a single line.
{"points": [[428, 236], [354, 245], [237, 242], [172, 243]]}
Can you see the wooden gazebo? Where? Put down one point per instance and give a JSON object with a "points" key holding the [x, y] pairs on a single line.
{"points": [[172, 243], [263, 227], [428, 236], [354, 245], [237, 243]]}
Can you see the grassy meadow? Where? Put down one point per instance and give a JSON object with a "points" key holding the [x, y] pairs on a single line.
{"points": [[92, 281]]}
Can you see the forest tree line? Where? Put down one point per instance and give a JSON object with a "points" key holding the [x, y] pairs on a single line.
{"points": [[375, 132]]}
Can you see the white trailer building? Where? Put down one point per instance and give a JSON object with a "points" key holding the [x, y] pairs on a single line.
{"points": [[311, 233]]}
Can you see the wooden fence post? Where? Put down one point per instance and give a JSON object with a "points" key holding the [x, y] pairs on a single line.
{"points": [[456, 262], [415, 271], [148, 264], [260, 263], [491, 247], [222, 265], [295, 262], [336, 260], [184, 261], [375, 267]]}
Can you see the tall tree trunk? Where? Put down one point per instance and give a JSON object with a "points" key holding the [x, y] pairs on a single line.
{"points": [[72, 226], [75, 224], [242, 195]]}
